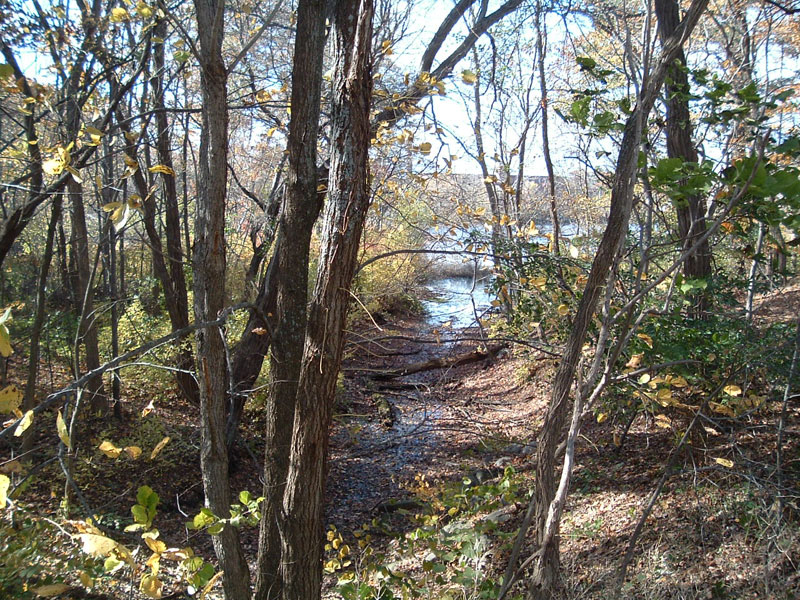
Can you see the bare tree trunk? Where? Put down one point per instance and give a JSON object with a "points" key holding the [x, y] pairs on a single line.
{"points": [[176, 281], [288, 272], [98, 402], [541, 54], [691, 212], [545, 578], [345, 213], [209, 263], [29, 401]]}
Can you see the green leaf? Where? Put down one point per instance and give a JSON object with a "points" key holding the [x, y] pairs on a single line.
{"points": [[139, 514], [6, 71], [586, 63]]}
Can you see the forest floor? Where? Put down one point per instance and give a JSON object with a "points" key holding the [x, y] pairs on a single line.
{"points": [[425, 450]]}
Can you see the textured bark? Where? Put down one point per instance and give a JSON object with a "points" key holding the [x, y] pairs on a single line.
{"points": [[289, 276], [545, 578], [346, 209], [691, 212], [29, 401], [209, 292], [178, 304], [87, 330]]}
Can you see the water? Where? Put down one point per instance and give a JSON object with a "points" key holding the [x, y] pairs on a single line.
{"points": [[454, 302]]}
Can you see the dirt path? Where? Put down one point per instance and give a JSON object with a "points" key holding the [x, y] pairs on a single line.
{"points": [[444, 423]]}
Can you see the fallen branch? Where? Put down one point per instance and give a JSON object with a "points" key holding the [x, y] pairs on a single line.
{"points": [[441, 363]]}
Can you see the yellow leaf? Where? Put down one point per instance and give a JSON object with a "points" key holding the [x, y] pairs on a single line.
{"points": [[664, 396], [24, 424], [680, 382], [156, 546], [617, 439], [61, 427], [111, 206], [468, 77], [646, 339], [144, 10], [724, 462], [97, 545], [644, 378], [663, 421], [159, 447], [425, 147], [386, 46], [135, 202], [10, 399], [53, 166], [109, 449], [259, 331], [150, 586], [563, 309], [490, 179], [54, 589], [539, 282], [722, 409], [263, 96], [162, 169], [130, 161], [732, 390], [75, 175], [573, 251], [5, 483], [210, 585], [133, 451], [86, 579], [602, 417], [118, 15]]}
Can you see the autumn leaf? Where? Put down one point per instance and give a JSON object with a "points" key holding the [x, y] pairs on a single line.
{"points": [[210, 584], [646, 339], [159, 447], [118, 15], [563, 309], [602, 417], [164, 169], [5, 483], [24, 424], [133, 452], [724, 462], [97, 545], [54, 589], [109, 449], [732, 390], [468, 77], [10, 399], [425, 148], [61, 427], [635, 361]]}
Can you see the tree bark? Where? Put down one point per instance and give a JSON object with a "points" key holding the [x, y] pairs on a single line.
{"points": [[691, 212], [346, 209], [545, 578], [209, 263], [288, 273]]}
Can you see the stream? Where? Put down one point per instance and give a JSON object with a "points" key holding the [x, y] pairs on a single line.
{"points": [[456, 301]]}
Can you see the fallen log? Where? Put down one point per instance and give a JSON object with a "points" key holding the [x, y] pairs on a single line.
{"points": [[441, 363]]}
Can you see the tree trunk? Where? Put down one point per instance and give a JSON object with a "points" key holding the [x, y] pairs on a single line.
{"points": [[179, 313], [541, 34], [288, 274], [545, 577], [85, 306], [691, 212], [209, 264], [345, 213], [29, 401]]}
